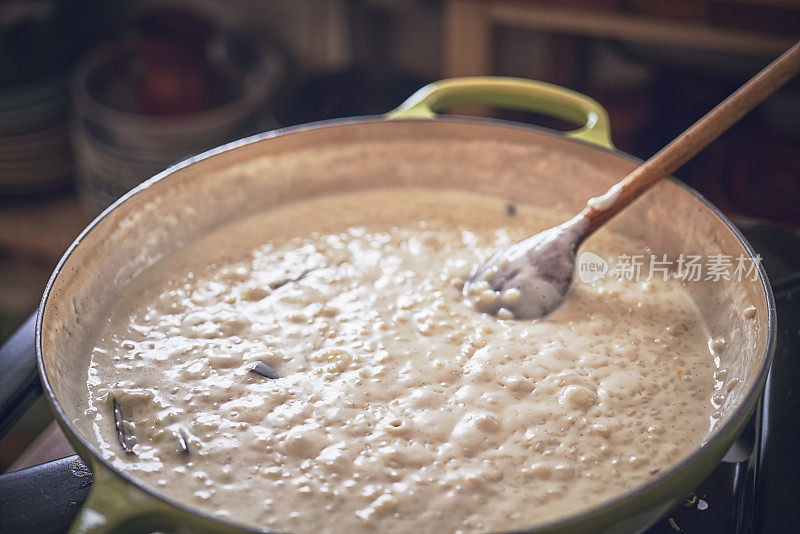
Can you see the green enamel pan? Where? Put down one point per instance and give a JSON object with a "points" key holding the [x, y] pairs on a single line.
{"points": [[411, 146]]}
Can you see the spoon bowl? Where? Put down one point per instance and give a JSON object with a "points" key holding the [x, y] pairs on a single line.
{"points": [[530, 278]]}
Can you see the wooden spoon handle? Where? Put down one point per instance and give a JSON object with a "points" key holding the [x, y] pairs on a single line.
{"points": [[694, 139]]}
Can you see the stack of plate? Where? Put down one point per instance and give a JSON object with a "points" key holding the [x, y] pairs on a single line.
{"points": [[34, 145], [116, 149]]}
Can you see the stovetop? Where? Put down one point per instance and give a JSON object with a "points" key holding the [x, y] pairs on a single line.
{"points": [[754, 490]]}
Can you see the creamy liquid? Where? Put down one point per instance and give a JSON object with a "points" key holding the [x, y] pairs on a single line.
{"points": [[399, 407]]}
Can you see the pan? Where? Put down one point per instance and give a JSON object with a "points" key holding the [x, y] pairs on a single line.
{"points": [[412, 146]]}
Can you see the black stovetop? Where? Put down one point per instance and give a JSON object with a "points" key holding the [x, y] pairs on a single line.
{"points": [[755, 489]]}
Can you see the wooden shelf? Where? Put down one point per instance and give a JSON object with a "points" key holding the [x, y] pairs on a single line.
{"points": [[637, 28], [468, 25]]}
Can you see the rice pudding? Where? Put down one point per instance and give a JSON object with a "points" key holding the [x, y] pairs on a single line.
{"points": [[317, 369]]}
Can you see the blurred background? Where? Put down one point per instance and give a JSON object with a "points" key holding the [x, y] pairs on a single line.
{"points": [[97, 96]]}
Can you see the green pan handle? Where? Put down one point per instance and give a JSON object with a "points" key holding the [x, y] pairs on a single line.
{"points": [[117, 506], [515, 93]]}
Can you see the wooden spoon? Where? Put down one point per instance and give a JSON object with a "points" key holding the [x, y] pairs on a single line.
{"points": [[530, 278]]}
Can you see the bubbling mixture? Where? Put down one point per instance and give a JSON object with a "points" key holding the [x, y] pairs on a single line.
{"points": [[317, 369]]}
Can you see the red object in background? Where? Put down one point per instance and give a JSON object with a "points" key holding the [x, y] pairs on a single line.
{"points": [[169, 79], [163, 66], [172, 73]]}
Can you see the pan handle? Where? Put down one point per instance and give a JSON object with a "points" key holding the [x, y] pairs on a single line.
{"points": [[19, 382], [514, 93], [43, 498]]}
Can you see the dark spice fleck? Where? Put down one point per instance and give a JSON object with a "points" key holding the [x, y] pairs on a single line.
{"points": [[280, 283], [125, 441], [266, 370], [511, 210], [183, 440]]}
